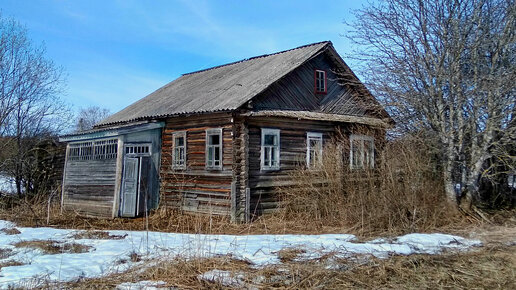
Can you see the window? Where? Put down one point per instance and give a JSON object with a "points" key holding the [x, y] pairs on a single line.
{"points": [[93, 150], [179, 150], [361, 152], [320, 81], [313, 149], [138, 149], [511, 180], [270, 149], [214, 148]]}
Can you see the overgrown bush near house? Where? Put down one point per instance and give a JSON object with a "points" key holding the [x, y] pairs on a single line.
{"points": [[403, 193]]}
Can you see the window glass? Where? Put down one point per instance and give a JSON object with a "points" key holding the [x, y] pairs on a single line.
{"points": [[179, 150], [313, 148], [320, 81], [361, 152], [214, 149], [214, 140], [180, 141], [270, 151]]}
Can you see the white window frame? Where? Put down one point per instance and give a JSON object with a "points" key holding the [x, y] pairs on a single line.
{"points": [[209, 132], [264, 148], [176, 164], [324, 89], [362, 139], [314, 136]]}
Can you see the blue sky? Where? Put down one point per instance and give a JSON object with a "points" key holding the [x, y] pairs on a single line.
{"points": [[116, 52]]}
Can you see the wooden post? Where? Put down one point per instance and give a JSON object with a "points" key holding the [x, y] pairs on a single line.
{"points": [[118, 178], [64, 177], [233, 202], [247, 204]]}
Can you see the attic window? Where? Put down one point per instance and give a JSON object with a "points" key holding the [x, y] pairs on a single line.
{"points": [[320, 81]]}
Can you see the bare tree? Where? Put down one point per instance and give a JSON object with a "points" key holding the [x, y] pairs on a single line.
{"points": [[29, 105], [90, 116], [448, 66]]}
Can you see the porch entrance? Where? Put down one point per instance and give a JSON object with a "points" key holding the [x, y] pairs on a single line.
{"points": [[136, 180]]}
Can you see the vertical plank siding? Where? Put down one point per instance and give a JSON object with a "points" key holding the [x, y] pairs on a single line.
{"points": [[296, 91], [196, 188], [89, 187]]}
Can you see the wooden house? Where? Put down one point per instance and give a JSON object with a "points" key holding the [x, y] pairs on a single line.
{"points": [[223, 139]]}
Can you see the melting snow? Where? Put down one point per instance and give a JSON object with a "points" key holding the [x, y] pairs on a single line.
{"points": [[109, 256]]}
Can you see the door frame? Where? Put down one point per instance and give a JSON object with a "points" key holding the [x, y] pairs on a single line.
{"points": [[139, 151]]}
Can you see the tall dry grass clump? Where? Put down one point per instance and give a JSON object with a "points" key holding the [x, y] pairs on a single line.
{"points": [[403, 193]]}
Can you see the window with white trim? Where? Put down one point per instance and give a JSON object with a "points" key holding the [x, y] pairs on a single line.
{"points": [[313, 149], [179, 150], [361, 154], [214, 148], [270, 149], [320, 81]]}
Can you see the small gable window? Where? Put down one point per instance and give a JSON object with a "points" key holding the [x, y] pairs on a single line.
{"points": [[361, 152], [320, 81], [313, 149], [179, 150], [270, 153], [214, 148]]}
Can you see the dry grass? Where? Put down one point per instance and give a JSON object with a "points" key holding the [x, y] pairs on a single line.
{"points": [[403, 194], [487, 268], [10, 263], [10, 231], [5, 253], [97, 235], [53, 247], [286, 255], [176, 272]]}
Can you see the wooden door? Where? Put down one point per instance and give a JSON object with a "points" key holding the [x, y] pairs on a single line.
{"points": [[143, 193], [130, 187]]}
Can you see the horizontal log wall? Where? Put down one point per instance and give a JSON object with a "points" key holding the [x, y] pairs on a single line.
{"points": [[196, 188], [264, 184], [89, 187]]}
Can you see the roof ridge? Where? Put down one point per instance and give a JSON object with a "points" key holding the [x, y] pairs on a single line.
{"points": [[255, 57]]}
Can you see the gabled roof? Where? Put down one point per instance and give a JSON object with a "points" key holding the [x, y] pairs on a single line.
{"points": [[221, 88]]}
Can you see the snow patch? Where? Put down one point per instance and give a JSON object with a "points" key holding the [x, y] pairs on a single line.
{"points": [[225, 278], [109, 256], [142, 285]]}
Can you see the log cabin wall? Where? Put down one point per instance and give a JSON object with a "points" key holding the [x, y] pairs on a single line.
{"points": [[196, 188], [263, 184]]}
